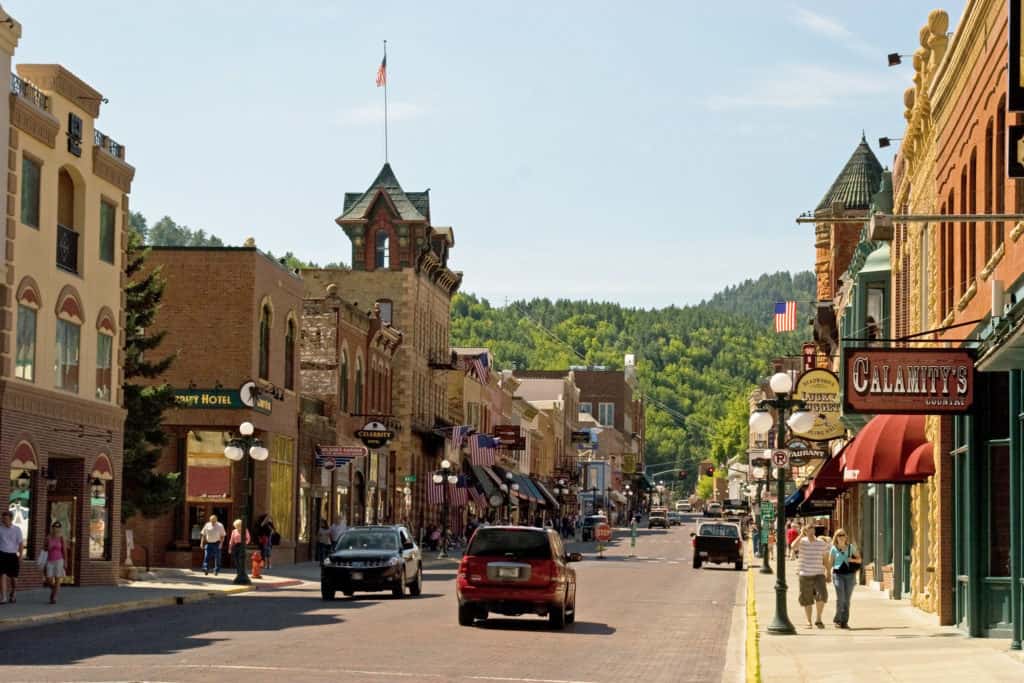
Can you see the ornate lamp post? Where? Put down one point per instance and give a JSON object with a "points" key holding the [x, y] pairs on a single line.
{"points": [[799, 421], [508, 489], [237, 449], [445, 477]]}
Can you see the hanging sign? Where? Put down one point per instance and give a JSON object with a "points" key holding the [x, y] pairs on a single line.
{"points": [[374, 435], [819, 390], [909, 381], [800, 453], [330, 457]]}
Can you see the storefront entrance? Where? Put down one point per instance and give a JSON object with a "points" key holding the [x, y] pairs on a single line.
{"points": [[64, 509]]}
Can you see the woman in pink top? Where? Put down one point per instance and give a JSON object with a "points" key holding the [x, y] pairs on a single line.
{"points": [[56, 561]]}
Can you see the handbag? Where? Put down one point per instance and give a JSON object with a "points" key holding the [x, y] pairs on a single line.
{"points": [[275, 538], [42, 558], [849, 566]]}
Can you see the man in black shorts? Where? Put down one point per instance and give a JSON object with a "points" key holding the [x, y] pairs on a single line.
{"points": [[12, 543]]}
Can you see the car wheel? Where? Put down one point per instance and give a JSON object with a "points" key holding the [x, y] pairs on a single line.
{"points": [[399, 590], [556, 615], [416, 587], [739, 565], [466, 615], [327, 593], [571, 617], [696, 562]]}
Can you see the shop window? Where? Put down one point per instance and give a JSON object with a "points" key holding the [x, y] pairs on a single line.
{"points": [[104, 363], [585, 407], [282, 485], [343, 383], [289, 356], [31, 171], [108, 220], [25, 354], [99, 519], [359, 387], [19, 501], [999, 510], [67, 360], [606, 414], [208, 472], [265, 320]]}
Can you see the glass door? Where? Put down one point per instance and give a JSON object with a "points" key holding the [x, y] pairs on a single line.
{"points": [[64, 509]]}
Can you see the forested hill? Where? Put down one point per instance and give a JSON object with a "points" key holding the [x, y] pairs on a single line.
{"points": [[696, 364], [755, 298]]}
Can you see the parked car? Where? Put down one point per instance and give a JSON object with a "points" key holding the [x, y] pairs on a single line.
{"points": [[713, 510], [589, 522], [684, 506], [718, 542], [514, 570], [675, 518], [372, 558], [658, 517]]}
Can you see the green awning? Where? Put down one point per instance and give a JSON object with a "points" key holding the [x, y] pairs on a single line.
{"points": [[645, 482]]}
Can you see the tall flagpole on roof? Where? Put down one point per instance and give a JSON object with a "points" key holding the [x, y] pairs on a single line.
{"points": [[383, 76]]}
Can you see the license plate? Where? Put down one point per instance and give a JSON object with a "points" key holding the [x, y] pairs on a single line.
{"points": [[356, 575], [508, 572]]}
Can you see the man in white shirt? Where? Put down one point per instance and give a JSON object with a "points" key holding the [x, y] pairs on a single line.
{"points": [[337, 529], [815, 571], [210, 538], [12, 543]]}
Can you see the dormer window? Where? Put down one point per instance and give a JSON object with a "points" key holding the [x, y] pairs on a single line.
{"points": [[383, 243]]}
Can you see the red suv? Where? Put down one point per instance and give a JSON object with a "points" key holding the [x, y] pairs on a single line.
{"points": [[515, 570]]}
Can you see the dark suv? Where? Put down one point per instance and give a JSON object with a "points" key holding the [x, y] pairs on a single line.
{"points": [[372, 558], [515, 570]]}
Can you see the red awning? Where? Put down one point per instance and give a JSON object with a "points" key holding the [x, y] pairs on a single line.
{"points": [[921, 463], [883, 448]]}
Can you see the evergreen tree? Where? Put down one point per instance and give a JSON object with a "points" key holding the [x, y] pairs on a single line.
{"points": [[145, 491]]}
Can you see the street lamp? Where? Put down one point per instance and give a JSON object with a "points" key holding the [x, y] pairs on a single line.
{"points": [[799, 421], [629, 509], [508, 489], [237, 449], [445, 477]]}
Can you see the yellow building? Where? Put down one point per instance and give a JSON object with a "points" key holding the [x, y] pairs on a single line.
{"points": [[61, 315]]}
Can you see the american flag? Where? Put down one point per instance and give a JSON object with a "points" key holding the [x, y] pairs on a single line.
{"points": [[478, 498], [785, 316], [481, 449], [480, 368], [458, 434], [458, 494], [382, 72]]}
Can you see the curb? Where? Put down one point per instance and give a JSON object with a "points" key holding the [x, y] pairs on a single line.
{"points": [[117, 608], [753, 643]]}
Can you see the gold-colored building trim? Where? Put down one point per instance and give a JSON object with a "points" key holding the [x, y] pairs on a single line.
{"points": [[35, 122], [113, 170], [55, 78]]}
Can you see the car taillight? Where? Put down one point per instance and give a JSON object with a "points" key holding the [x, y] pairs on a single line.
{"points": [[463, 567]]}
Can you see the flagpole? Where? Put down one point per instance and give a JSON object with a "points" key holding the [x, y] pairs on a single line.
{"points": [[385, 104]]}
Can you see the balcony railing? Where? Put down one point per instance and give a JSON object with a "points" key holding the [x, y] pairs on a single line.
{"points": [[67, 249], [26, 90], [107, 144]]}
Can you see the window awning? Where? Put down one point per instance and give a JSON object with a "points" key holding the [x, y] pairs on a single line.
{"points": [[526, 486], [485, 480], [921, 463], [882, 450], [552, 501]]}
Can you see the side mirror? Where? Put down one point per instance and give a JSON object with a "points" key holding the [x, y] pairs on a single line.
{"points": [[574, 557], [408, 545]]}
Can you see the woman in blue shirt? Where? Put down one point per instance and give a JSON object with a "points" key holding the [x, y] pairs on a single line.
{"points": [[844, 575]]}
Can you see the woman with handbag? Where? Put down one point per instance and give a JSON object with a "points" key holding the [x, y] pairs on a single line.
{"points": [[845, 563], [56, 561]]}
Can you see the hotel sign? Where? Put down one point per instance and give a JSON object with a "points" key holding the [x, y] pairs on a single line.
{"points": [[218, 398], [908, 381]]}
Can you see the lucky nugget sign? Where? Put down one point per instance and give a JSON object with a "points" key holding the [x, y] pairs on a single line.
{"points": [[908, 381]]}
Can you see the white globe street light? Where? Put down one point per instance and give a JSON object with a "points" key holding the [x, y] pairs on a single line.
{"points": [[761, 421], [781, 383], [235, 451], [801, 421], [246, 428]]}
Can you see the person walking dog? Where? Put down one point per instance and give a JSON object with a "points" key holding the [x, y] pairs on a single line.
{"points": [[814, 570], [845, 561]]}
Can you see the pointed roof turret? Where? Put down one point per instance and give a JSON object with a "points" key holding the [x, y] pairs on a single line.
{"points": [[411, 206], [857, 182]]}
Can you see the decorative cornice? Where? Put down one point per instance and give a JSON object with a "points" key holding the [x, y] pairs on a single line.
{"points": [[108, 167], [33, 121], [990, 267], [10, 33], [55, 78], [968, 295], [59, 408], [970, 38]]}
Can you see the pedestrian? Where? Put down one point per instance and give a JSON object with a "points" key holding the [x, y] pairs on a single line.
{"points": [[771, 544], [12, 544], [337, 529], [323, 541], [56, 560], [265, 533], [210, 539], [235, 543], [845, 563], [792, 533], [815, 570]]}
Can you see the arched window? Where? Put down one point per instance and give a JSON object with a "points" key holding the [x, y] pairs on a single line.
{"points": [[265, 321], [1000, 175], [69, 341], [343, 383], [358, 401], [25, 350], [989, 142], [289, 355], [383, 249]]}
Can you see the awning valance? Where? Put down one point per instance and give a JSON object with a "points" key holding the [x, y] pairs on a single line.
{"points": [[882, 449]]}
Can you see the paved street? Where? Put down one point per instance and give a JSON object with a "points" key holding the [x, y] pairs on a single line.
{"points": [[651, 618]]}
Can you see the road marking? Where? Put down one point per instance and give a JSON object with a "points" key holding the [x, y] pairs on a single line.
{"points": [[527, 680], [675, 562]]}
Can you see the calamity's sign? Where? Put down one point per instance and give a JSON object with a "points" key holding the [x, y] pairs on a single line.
{"points": [[908, 381]]}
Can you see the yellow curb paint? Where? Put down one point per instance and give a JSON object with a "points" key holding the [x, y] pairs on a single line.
{"points": [[753, 644]]}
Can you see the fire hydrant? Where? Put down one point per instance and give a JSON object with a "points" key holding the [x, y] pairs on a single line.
{"points": [[257, 564]]}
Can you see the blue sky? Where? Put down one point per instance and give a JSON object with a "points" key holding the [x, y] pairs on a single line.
{"points": [[646, 153]]}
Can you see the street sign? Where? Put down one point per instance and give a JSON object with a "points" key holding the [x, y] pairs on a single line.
{"points": [[780, 457], [410, 479], [767, 510], [374, 434], [602, 532]]}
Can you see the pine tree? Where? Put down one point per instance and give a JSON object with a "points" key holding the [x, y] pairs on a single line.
{"points": [[145, 491]]}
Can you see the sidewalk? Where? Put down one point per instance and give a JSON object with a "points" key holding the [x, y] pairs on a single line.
{"points": [[162, 587], [889, 640]]}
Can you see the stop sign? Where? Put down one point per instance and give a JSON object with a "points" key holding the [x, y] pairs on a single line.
{"points": [[603, 532]]}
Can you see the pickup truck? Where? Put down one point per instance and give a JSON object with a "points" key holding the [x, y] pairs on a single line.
{"points": [[718, 542]]}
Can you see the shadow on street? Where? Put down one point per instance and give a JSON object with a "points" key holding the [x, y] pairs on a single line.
{"points": [[588, 628]]}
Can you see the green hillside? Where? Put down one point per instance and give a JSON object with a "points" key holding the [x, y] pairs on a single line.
{"points": [[696, 364]]}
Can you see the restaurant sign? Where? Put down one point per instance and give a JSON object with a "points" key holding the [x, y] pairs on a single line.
{"points": [[801, 453], [908, 381], [819, 390]]}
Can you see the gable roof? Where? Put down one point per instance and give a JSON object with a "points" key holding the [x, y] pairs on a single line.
{"points": [[411, 206], [857, 182]]}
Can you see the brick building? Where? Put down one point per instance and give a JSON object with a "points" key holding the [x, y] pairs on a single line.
{"points": [[400, 262], [235, 361], [61, 316]]}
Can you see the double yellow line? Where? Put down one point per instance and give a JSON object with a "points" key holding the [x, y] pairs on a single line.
{"points": [[753, 644]]}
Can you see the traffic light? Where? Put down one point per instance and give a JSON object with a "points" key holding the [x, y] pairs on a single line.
{"points": [[682, 474]]}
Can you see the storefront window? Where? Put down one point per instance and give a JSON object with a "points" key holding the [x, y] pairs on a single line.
{"points": [[209, 473], [99, 520], [999, 511], [282, 483], [19, 501]]}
